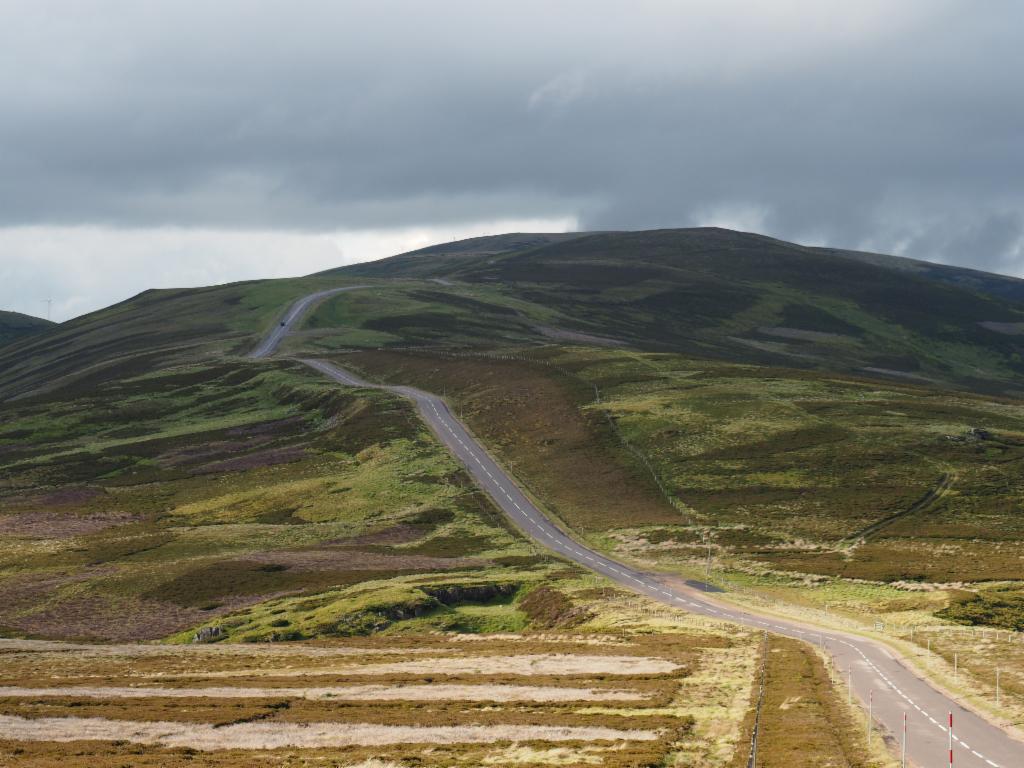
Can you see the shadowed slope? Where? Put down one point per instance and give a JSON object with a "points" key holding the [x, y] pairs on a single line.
{"points": [[750, 298], [155, 329], [14, 326]]}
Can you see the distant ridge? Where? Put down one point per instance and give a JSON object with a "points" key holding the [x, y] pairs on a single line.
{"points": [[15, 325], [708, 293], [746, 297], [455, 253], [404, 264]]}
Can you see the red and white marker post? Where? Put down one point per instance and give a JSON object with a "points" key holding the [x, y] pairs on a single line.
{"points": [[950, 740]]}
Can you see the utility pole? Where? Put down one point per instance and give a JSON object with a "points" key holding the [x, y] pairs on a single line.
{"points": [[49, 304]]}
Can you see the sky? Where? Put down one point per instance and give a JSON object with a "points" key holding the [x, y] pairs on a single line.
{"points": [[158, 144]]}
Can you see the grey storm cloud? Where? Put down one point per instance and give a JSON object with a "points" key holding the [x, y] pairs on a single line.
{"points": [[895, 125]]}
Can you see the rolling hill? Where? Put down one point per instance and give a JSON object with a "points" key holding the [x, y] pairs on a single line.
{"points": [[153, 330], [816, 414], [745, 298], [708, 293], [14, 326]]}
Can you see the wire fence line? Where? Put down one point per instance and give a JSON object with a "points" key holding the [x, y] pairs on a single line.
{"points": [[984, 633], [756, 730]]}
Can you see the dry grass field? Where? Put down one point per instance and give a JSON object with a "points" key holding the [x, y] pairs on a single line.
{"points": [[636, 684], [626, 689], [966, 660], [804, 720]]}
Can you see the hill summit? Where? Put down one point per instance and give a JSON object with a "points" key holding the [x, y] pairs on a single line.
{"points": [[749, 298]]}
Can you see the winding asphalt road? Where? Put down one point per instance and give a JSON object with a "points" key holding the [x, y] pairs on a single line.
{"points": [[295, 313], [877, 674]]}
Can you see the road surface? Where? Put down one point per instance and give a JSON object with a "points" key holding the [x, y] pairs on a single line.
{"points": [[295, 313], [876, 672]]}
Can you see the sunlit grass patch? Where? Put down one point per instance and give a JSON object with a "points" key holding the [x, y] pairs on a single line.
{"points": [[198, 503]]}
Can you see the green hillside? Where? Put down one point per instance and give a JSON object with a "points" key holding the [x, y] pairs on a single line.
{"points": [[705, 292], [219, 493], [14, 326], [820, 415], [796, 478], [750, 298], [438, 259], [151, 331]]}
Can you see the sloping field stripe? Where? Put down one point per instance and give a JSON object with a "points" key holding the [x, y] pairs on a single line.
{"points": [[295, 735], [526, 664], [434, 692]]}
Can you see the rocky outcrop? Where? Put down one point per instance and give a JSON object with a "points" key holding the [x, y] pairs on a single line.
{"points": [[209, 635]]}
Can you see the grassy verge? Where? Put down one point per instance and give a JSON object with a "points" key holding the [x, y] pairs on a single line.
{"points": [[804, 721]]}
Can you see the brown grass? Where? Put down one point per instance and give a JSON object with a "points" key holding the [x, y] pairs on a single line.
{"points": [[804, 722], [429, 692], [533, 418], [120, 619], [328, 558], [303, 736], [456, 703], [526, 664], [60, 525]]}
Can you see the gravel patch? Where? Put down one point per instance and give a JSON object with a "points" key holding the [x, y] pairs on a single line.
{"points": [[897, 374], [1009, 329]]}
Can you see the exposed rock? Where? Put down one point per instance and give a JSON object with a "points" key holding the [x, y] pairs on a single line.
{"points": [[458, 594], [973, 435], [209, 635]]}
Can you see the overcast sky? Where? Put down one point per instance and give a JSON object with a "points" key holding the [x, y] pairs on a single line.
{"points": [[153, 144]]}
